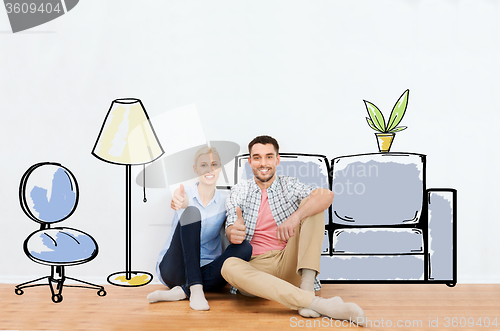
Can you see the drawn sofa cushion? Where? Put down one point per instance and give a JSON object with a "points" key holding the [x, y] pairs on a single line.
{"points": [[381, 189], [378, 241]]}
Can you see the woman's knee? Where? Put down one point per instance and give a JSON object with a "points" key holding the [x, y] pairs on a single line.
{"points": [[242, 251], [190, 215], [247, 249]]}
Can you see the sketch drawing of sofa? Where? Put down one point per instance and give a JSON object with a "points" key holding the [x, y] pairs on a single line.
{"points": [[384, 225]]}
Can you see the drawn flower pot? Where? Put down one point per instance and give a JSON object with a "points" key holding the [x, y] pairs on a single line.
{"points": [[387, 130], [384, 141]]}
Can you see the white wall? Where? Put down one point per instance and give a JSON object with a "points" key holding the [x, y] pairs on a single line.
{"points": [[296, 70]]}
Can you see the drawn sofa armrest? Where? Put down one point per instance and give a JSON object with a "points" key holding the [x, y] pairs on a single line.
{"points": [[442, 235]]}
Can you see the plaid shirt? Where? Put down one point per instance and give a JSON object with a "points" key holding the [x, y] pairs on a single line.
{"points": [[285, 195]]}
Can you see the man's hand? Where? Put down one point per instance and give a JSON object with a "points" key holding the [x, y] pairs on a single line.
{"points": [[238, 228], [287, 229], [179, 200]]}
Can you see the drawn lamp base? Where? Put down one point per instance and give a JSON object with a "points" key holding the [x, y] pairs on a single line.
{"points": [[130, 279]]}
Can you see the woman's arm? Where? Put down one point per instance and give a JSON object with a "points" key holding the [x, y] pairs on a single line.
{"points": [[180, 199]]}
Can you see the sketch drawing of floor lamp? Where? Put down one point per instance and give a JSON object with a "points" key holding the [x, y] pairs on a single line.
{"points": [[128, 138]]}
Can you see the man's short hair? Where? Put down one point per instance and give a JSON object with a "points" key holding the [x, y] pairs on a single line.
{"points": [[264, 140]]}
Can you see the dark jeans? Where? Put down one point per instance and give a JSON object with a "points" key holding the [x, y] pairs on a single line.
{"points": [[180, 265]]}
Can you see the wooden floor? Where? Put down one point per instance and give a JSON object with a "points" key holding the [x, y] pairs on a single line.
{"points": [[386, 307]]}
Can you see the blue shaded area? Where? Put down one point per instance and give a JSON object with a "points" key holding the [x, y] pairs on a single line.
{"points": [[63, 246], [309, 173], [62, 199], [441, 235], [377, 193], [380, 241], [408, 267]]}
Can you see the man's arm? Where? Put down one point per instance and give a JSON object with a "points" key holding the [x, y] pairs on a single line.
{"points": [[318, 201]]}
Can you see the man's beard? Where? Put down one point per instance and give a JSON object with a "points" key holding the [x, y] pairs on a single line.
{"points": [[262, 179]]}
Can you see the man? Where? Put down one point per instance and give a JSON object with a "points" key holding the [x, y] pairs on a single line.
{"points": [[283, 220]]}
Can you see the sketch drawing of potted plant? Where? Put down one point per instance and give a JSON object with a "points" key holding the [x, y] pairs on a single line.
{"points": [[387, 131]]}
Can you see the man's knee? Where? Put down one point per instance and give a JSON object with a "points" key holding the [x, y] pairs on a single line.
{"points": [[303, 202], [246, 250], [229, 265], [317, 217]]}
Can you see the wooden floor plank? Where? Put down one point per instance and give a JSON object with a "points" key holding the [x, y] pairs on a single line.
{"points": [[128, 309]]}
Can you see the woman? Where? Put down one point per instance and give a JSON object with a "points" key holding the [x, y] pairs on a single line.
{"points": [[191, 260]]}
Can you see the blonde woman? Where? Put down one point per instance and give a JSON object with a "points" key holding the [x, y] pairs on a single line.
{"points": [[191, 260]]}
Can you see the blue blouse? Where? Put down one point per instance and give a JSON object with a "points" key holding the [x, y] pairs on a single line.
{"points": [[212, 218]]}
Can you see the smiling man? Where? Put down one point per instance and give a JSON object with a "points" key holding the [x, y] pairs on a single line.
{"points": [[283, 220]]}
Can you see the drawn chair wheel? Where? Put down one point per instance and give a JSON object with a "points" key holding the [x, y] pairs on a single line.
{"points": [[56, 298], [19, 291], [101, 293]]}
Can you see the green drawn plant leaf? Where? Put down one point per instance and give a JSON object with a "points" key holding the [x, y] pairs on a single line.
{"points": [[370, 123], [398, 111], [376, 116], [399, 128]]}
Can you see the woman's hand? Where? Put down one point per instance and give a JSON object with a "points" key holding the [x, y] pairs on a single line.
{"points": [[180, 199]]}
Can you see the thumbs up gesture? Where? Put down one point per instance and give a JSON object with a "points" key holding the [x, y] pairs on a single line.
{"points": [[238, 228], [180, 199]]}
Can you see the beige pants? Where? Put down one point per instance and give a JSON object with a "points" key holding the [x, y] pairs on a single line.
{"points": [[275, 275]]}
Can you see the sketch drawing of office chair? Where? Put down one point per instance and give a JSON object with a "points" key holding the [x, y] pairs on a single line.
{"points": [[48, 194]]}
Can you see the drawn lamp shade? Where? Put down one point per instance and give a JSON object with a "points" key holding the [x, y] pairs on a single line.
{"points": [[128, 138]]}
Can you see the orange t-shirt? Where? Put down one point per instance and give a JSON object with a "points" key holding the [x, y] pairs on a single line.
{"points": [[264, 238]]}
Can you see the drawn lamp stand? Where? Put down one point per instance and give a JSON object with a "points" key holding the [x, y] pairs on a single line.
{"points": [[128, 138]]}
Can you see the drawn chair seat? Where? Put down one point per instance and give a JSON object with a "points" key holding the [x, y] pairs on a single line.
{"points": [[60, 246]]}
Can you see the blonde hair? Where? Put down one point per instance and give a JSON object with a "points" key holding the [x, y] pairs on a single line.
{"points": [[206, 150]]}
